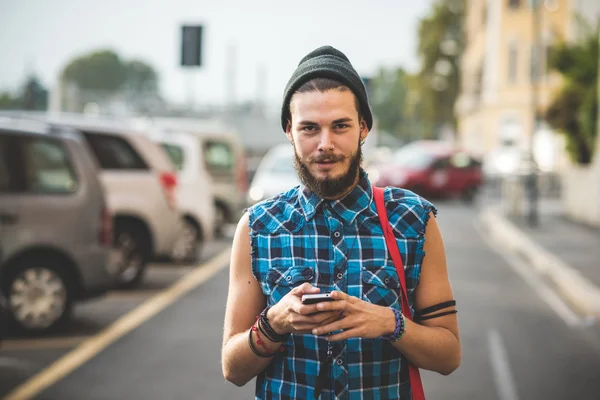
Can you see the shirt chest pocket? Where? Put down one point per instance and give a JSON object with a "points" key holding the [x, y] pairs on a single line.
{"points": [[380, 286], [281, 280]]}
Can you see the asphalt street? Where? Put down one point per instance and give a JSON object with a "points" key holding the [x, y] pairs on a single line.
{"points": [[515, 344]]}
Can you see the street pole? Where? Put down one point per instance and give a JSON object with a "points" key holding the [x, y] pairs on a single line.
{"points": [[532, 187]]}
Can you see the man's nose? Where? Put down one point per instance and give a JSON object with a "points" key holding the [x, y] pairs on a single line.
{"points": [[326, 141]]}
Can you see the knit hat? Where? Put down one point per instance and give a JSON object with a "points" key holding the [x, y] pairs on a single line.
{"points": [[326, 62]]}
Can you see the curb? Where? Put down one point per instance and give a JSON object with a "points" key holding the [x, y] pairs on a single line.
{"points": [[579, 291]]}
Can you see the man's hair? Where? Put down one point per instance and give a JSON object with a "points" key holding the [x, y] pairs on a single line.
{"points": [[323, 85]]}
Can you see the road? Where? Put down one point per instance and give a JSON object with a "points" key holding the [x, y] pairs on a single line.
{"points": [[515, 343]]}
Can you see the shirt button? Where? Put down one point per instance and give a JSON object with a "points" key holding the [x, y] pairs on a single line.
{"points": [[336, 235], [340, 275], [386, 280], [289, 278], [339, 361]]}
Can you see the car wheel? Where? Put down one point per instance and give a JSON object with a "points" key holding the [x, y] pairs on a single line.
{"points": [[131, 244], [39, 298], [221, 218], [468, 194], [188, 245]]}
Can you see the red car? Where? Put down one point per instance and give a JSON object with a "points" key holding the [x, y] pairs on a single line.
{"points": [[431, 169]]}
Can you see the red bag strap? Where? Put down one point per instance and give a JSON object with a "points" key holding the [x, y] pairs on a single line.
{"points": [[392, 245]]}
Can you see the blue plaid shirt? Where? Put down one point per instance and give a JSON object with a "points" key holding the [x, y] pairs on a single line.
{"points": [[298, 237]]}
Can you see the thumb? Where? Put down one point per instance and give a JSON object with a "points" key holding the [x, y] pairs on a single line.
{"points": [[306, 288]]}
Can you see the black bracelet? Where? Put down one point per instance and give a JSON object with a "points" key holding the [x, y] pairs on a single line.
{"points": [[268, 329], [254, 349]]}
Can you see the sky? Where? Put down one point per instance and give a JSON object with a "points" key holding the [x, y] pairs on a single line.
{"points": [[271, 36]]}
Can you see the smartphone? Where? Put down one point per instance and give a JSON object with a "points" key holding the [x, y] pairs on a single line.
{"points": [[316, 298]]}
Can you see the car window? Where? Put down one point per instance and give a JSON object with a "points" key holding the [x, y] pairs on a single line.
{"points": [[113, 152], [218, 155], [460, 160], [176, 154], [47, 166], [280, 164]]}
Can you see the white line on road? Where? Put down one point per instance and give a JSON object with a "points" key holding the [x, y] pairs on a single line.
{"points": [[537, 284], [94, 345], [505, 384]]}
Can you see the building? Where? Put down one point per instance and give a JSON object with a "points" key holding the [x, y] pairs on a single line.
{"points": [[501, 63]]}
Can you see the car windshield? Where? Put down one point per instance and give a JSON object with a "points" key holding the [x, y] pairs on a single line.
{"points": [[412, 158], [280, 164]]}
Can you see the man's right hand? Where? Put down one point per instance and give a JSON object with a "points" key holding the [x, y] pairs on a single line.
{"points": [[291, 316]]}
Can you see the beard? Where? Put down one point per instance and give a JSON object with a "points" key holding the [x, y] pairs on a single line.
{"points": [[329, 187]]}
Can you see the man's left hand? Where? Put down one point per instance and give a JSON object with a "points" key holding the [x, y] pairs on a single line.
{"points": [[361, 319]]}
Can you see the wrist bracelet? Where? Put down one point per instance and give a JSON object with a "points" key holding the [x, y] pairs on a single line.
{"points": [[268, 329], [400, 327], [256, 352]]}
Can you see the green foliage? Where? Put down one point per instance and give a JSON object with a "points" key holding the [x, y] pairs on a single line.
{"points": [[105, 71], [574, 110], [441, 44]]}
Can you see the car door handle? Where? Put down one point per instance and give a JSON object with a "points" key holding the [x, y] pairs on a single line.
{"points": [[8, 219]]}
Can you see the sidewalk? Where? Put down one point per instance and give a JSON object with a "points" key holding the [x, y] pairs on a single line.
{"points": [[566, 252]]}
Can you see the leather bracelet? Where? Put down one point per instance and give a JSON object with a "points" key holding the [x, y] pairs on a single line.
{"points": [[400, 329], [268, 329]]}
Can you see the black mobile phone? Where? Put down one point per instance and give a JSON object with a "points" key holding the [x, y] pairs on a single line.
{"points": [[316, 298]]}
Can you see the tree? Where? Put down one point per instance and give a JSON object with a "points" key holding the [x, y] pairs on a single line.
{"points": [[574, 110], [101, 75], [388, 99], [100, 70], [441, 44]]}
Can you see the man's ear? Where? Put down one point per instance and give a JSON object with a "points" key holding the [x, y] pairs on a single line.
{"points": [[288, 132], [364, 130]]}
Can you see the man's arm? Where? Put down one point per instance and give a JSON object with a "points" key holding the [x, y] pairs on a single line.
{"points": [[245, 300], [433, 345]]}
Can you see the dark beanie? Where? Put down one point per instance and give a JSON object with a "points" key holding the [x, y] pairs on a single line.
{"points": [[326, 62]]}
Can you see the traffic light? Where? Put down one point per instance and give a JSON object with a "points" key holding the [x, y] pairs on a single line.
{"points": [[191, 45]]}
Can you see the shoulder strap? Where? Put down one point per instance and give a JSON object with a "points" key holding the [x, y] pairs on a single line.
{"points": [[378, 194]]}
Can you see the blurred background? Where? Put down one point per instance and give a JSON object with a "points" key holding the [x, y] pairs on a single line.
{"points": [[134, 134]]}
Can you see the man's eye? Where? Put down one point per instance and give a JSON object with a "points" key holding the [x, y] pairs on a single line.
{"points": [[308, 128], [341, 126]]}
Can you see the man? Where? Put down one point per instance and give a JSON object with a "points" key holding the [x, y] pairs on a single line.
{"points": [[325, 236]]}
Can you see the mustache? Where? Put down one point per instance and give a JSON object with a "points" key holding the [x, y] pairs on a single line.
{"points": [[326, 158]]}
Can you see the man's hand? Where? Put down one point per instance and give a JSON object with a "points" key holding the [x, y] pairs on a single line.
{"points": [[361, 319], [291, 316]]}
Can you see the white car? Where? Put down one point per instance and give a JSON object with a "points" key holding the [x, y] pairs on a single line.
{"points": [[140, 183], [194, 192], [223, 156], [275, 174]]}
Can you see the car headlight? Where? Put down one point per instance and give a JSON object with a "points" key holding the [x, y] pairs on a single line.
{"points": [[256, 193]]}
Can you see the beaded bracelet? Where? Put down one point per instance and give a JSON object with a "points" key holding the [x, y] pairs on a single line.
{"points": [[400, 327]]}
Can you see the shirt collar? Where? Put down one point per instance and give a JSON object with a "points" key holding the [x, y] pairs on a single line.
{"points": [[348, 207]]}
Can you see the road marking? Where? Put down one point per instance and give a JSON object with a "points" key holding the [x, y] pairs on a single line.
{"points": [[536, 283], [94, 345], [41, 343], [505, 383]]}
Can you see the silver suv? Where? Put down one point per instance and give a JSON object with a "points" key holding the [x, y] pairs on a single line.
{"points": [[55, 228]]}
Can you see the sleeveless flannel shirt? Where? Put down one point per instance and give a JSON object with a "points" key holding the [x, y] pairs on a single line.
{"points": [[297, 237]]}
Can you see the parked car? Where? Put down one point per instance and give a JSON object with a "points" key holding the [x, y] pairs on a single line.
{"points": [[224, 159], [431, 168], [275, 174], [194, 191], [141, 186], [55, 226]]}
